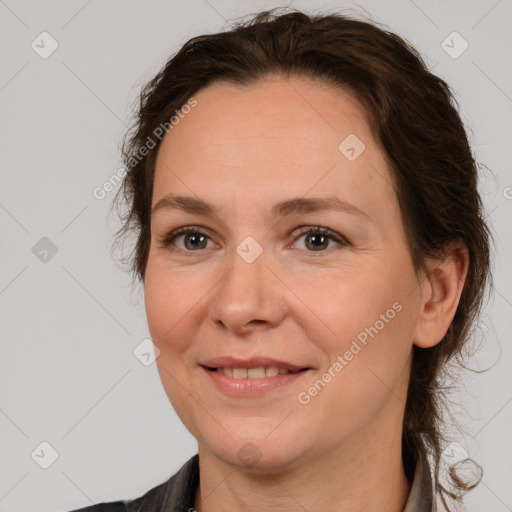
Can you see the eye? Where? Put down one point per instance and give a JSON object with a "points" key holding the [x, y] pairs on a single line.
{"points": [[317, 238], [193, 239]]}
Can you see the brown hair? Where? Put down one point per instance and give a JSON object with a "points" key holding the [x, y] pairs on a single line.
{"points": [[414, 117]]}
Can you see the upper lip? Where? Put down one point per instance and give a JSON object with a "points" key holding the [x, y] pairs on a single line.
{"points": [[253, 362]]}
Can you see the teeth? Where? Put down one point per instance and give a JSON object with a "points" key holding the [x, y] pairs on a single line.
{"points": [[239, 373], [273, 370], [256, 373], [252, 373]]}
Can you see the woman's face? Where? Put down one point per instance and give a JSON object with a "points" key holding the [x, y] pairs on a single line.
{"points": [[256, 284]]}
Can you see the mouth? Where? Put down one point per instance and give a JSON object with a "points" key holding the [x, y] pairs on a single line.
{"points": [[251, 378], [258, 372]]}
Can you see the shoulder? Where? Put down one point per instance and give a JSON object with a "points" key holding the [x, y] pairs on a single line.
{"points": [[150, 500], [120, 506], [175, 492], [114, 506]]}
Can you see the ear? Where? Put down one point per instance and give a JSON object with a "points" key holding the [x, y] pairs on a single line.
{"points": [[441, 289]]}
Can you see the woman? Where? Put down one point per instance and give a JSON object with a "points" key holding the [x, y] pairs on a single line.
{"points": [[312, 247]]}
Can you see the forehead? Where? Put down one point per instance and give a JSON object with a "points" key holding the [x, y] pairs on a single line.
{"points": [[272, 115], [276, 137]]}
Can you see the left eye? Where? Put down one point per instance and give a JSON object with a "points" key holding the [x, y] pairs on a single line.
{"points": [[316, 239]]}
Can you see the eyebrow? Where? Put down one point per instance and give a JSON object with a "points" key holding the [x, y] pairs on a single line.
{"points": [[194, 205]]}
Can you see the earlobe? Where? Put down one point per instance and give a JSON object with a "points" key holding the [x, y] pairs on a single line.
{"points": [[440, 295]]}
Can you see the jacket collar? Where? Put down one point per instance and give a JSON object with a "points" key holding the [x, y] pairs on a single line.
{"points": [[421, 494]]}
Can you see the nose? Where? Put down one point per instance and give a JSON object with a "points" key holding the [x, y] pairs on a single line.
{"points": [[249, 297]]}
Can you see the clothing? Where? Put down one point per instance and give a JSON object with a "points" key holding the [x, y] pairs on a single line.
{"points": [[177, 494]]}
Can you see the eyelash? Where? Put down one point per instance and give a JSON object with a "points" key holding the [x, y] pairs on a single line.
{"points": [[169, 238]]}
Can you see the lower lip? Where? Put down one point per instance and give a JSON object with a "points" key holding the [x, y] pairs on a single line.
{"points": [[252, 387]]}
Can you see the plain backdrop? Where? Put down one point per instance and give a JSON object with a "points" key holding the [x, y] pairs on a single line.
{"points": [[73, 394]]}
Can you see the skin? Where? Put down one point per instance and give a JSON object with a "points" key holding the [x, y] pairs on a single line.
{"points": [[243, 149]]}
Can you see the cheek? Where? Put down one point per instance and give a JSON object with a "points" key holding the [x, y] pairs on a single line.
{"points": [[159, 308], [168, 312], [348, 303], [370, 320], [367, 362], [168, 301], [373, 321]]}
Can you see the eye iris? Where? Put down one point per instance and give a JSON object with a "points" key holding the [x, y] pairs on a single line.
{"points": [[318, 241], [193, 238]]}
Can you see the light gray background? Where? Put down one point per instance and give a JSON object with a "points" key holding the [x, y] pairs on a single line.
{"points": [[68, 375]]}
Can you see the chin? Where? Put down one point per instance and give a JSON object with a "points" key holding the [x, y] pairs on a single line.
{"points": [[261, 452]]}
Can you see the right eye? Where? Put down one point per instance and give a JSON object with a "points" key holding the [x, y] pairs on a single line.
{"points": [[193, 239]]}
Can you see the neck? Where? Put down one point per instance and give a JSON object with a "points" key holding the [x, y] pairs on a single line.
{"points": [[371, 478]]}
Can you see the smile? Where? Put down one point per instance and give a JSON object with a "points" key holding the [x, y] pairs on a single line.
{"points": [[252, 373], [253, 382]]}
